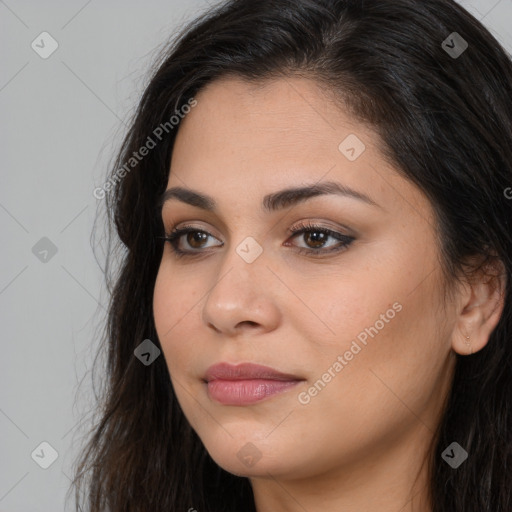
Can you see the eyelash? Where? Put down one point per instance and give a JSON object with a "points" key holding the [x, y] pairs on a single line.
{"points": [[305, 227]]}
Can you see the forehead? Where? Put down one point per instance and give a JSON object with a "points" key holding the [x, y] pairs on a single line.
{"points": [[246, 140], [275, 112]]}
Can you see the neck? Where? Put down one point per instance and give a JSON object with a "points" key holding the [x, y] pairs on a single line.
{"points": [[391, 478]]}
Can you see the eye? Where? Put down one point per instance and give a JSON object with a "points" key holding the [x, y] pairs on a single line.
{"points": [[315, 237], [195, 239]]}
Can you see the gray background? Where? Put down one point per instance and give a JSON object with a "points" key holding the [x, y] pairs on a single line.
{"points": [[62, 120]]}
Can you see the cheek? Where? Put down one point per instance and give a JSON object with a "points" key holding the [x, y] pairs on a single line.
{"points": [[176, 296], [388, 386], [164, 306], [391, 369], [384, 323], [173, 309]]}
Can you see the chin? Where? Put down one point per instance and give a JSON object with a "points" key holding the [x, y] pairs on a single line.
{"points": [[242, 457], [248, 466]]}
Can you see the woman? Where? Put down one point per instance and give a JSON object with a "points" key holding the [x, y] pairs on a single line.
{"points": [[313, 311]]}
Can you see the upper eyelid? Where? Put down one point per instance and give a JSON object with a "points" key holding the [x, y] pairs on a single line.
{"points": [[316, 222], [188, 227], [302, 225]]}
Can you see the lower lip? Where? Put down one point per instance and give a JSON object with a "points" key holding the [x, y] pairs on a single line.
{"points": [[243, 392]]}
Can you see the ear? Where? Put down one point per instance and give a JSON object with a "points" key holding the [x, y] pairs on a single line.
{"points": [[480, 307]]}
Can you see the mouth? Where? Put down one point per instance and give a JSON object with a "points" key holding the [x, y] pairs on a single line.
{"points": [[246, 383]]}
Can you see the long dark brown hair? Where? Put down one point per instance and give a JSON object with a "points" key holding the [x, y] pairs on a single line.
{"points": [[445, 122]]}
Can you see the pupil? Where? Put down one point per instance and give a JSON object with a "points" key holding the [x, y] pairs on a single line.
{"points": [[317, 237], [196, 236]]}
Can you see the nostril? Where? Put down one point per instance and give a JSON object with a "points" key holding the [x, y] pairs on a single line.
{"points": [[249, 322], [213, 327]]}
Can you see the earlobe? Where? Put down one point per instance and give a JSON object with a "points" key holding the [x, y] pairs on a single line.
{"points": [[482, 304], [467, 342]]}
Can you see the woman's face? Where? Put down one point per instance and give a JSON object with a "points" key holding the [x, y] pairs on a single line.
{"points": [[354, 318]]}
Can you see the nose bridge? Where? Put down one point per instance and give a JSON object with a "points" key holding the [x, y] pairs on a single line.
{"points": [[245, 260], [242, 269], [240, 293]]}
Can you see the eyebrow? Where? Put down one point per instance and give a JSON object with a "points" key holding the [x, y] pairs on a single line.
{"points": [[271, 202]]}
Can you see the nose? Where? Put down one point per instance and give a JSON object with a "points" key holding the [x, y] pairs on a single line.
{"points": [[242, 297]]}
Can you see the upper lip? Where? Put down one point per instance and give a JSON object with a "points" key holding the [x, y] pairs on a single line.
{"points": [[245, 371]]}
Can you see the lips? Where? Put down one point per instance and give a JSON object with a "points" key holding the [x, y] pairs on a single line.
{"points": [[245, 371], [246, 383]]}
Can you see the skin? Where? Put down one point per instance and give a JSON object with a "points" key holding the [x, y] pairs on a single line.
{"points": [[359, 443]]}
